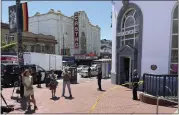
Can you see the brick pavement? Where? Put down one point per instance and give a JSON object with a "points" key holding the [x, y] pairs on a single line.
{"points": [[85, 95]]}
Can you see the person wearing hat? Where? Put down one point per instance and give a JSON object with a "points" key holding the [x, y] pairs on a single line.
{"points": [[27, 81], [66, 81]]}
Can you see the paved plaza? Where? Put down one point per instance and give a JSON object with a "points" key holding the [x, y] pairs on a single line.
{"points": [[118, 100]]}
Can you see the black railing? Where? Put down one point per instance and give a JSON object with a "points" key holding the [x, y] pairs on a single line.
{"points": [[161, 85]]}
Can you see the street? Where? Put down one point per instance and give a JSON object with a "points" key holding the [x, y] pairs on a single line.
{"points": [[117, 100]]}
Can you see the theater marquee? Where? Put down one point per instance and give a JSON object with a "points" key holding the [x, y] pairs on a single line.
{"points": [[76, 30]]}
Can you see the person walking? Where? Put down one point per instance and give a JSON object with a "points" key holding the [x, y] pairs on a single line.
{"points": [[53, 83], [99, 77], [89, 72], [39, 76], [66, 81], [28, 89]]}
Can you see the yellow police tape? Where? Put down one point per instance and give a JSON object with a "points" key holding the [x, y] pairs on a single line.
{"points": [[8, 45], [140, 82], [94, 106]]}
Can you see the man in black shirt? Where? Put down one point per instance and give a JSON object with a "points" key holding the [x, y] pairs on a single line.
{"points": [[89, 72], [99, 77]]}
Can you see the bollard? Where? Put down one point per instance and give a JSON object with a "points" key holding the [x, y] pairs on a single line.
{"points": [[158, 98]]}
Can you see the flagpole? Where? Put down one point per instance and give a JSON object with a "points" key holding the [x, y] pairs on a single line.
{"points": [[19, 46]]}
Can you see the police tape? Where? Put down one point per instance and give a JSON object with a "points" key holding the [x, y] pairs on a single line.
{"points": [[99, 98], [140, 82], [8, 45]]}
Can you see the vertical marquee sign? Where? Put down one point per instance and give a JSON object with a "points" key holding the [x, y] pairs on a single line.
{"points": [[76, 30]]}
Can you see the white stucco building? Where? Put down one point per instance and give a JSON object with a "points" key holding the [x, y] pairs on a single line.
{"points": [[144, 33], [61, 26]]}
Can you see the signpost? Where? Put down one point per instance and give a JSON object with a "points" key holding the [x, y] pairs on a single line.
{"points": [[19, 34]]}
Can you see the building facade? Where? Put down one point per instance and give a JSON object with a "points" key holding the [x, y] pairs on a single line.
{"points": [[144, 37], [31, 42], [86, 39]]}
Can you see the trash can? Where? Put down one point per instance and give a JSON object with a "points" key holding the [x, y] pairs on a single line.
{"points": [[73, 71]]}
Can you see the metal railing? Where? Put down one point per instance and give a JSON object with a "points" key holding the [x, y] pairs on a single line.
{"points": [[161, 85]]}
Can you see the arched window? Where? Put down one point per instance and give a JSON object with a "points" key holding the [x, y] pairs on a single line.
{"points": [[174, 42], [129, 28]]}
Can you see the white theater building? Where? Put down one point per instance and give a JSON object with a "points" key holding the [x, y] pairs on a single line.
{"points": [[144, 35], [62, 27]]}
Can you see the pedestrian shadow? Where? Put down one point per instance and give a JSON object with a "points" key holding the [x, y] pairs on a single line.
{"points": [[102, 90], [74, 83], [55, 98], [69, 98]]}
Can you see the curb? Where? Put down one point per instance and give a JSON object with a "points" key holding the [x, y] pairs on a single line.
{"points": [[149, 99]]}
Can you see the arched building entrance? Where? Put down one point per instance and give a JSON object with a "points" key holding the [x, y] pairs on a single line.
{"points": [[129, 42]]}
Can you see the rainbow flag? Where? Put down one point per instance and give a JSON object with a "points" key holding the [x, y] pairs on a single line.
{"points": [[24, 20]]}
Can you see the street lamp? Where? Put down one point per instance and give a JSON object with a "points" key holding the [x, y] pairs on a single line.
{"points": [[63, 42]]}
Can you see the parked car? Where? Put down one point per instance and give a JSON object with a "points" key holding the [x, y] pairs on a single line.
{"points": [[84, 72], [35, 70], [80, 67], [95, 66], [8, 75]]}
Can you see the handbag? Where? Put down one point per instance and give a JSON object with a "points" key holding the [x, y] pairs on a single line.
{"points": [[55, 82]]}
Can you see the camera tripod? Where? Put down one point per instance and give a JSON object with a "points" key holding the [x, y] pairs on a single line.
{"points": [[5, 108]]}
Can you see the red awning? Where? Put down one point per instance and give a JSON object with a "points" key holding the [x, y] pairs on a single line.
{"points": [[91, 54]]}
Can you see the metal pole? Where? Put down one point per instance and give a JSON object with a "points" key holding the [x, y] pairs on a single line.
{"points": [[19, 34], [19, 43], [63, 46], [158, 98]]}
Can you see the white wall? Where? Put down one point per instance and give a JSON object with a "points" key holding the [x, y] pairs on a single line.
{"points": [[57, 25], [156, 35]]}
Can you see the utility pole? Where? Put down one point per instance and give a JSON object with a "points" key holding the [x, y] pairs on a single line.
{"points": [[19, 45], [19, 34]]}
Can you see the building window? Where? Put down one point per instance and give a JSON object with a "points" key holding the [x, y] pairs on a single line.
{"points": [[43, 49], [174, 43], [129, 28], [32, 48], [11, 38], [6, 38], [47, 49]]}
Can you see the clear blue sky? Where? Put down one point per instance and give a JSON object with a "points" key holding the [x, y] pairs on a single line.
{"points": [[98, 12]]}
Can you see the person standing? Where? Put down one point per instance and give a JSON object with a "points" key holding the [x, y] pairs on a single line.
{"points": [[39, 76], [66, 81], [53, 83], [89, 72], [99, 77], [28, 88]]}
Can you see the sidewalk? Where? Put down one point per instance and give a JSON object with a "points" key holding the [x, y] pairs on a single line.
{"points": [[85, 95]]}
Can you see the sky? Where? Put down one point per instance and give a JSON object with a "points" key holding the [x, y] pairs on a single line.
{"points": [[98, 12]]}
